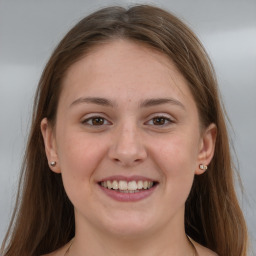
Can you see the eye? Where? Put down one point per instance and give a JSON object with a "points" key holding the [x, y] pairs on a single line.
{"points": [[160, 121], [96, 121]]}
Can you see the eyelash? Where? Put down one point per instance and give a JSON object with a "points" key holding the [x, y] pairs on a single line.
{"points": [[167, 121], [89, 121], [103, 121]]}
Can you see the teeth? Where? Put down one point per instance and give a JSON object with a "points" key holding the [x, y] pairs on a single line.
{"points": [[140, 184], [109, 184], [145, 184], [123, 185], [115, 185], [127, 187], [132, 185]]}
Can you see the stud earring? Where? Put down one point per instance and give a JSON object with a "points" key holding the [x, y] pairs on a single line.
{"points": [[203, 167], [53, 163]]}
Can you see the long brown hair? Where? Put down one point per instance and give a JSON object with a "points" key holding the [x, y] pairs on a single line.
{"points": [[43, 218]]}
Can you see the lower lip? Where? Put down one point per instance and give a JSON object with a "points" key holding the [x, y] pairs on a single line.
{"points": [[128, 197]]}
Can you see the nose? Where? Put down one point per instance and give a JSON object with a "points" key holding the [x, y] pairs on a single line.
{"points": [[127, 147]]}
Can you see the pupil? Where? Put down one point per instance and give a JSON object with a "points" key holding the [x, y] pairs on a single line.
{"points": [[159, 121], [97, 121]]}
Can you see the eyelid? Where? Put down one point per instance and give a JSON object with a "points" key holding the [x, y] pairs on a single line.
{"points": [[169, 118], [94, 116]]}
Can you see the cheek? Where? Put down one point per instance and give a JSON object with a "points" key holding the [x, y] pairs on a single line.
{"points": [[177, 161], [78, 157], [178, 155]]}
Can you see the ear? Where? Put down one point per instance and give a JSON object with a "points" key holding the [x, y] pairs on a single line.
{"points": [[50, 145], [207, 147]]}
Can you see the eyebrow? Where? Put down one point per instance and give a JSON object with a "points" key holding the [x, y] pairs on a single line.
{"points": [[143, 104], [160, 101], [93, 100]]}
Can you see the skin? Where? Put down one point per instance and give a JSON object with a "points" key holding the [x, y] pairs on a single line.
{"points": [[128, 140]]}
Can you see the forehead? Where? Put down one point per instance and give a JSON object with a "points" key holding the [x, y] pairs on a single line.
{"points": [[126, 70]]}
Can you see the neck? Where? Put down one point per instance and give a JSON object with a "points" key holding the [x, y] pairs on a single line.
{"points": [[166, 241]]}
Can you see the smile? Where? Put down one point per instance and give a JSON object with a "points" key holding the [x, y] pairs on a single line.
{"points": [[127, 186], [126, 189]]}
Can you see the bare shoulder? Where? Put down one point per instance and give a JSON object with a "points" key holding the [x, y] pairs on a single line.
{"points": [[203, 251]]}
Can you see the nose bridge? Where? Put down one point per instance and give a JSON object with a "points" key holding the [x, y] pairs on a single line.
{"points": [[127, 147]]}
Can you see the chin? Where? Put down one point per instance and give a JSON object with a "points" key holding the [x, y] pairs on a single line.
{"points": [[129, 226]]}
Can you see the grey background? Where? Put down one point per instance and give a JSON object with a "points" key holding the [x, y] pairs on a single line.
{"points": [[29, 30]]}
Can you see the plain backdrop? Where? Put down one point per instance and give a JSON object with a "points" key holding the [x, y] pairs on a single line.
{"points": [[29, 30]]}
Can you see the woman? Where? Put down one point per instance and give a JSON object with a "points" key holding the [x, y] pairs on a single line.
{"points": [[128, 152]]}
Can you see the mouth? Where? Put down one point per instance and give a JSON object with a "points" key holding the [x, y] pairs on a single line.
{"points": [[123, 186], [128, 190]]}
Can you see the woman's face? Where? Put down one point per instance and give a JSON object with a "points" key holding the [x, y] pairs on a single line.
{"points": [[127, 140]]}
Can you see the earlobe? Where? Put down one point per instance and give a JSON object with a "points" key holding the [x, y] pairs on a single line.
{"points": [[50, 145], [207, 148]]}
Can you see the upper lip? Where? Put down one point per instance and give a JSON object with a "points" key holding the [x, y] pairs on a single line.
{"points": [[127, 178]]}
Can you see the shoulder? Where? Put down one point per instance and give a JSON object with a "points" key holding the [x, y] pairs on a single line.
{"points": [[203, 251]]}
